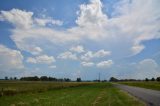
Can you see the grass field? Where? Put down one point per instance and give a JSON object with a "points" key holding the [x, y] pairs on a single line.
{"points": [[85, 94], [149, 85], [15, 87]]}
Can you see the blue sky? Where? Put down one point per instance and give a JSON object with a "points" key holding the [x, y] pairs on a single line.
{"points": [[80, 38]]}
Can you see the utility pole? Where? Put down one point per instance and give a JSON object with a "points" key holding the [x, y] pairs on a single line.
{"points": [[99, 77]]}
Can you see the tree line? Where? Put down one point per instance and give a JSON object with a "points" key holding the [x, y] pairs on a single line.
{"points": [[113, 79], [42, 78]]}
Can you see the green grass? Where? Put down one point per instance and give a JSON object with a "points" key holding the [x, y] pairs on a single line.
{"points": [[149, 85], [94, 94], [15, 87]]}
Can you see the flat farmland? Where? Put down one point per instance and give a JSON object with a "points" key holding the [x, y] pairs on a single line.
{"points": [[64, 94], [143, 84]]}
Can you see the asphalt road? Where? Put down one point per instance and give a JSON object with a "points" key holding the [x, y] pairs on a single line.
{"points": [[150, 97]]}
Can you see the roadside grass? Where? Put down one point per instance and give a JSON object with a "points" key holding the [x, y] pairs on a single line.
{"points": [[16, 87], [95, 94], [149, 85]]}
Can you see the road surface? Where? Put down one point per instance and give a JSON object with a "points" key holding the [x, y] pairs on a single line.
{"points": [[150, 97]]}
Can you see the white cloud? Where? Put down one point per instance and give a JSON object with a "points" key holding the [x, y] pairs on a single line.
{"points": [[87, 64], [35, 50], [132, 23], [24, 19], [19, 18], [89, 55], [102, 53], [30, 31], [31, 60], [52, 66], [91, 14], [137, 49], [42, 59], [48, 20], [105, 64], [10, 59], [67, 55], [148, 64], [139, 20], [78, 49], [147, 68]]}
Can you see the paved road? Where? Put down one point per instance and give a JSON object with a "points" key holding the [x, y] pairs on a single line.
{"points": [[151, 97]]}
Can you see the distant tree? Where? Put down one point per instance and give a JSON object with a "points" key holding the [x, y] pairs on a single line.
{"points": [[60, 80], [158, 79], [67, 80], [78, 79], [44, 78], [6, 78], [112, 79], [10, 78], [15, 78], [153, 79], [35, 78], [146, 79]]}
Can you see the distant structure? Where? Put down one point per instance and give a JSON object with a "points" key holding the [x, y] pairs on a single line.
{"points": [[99, 77]]}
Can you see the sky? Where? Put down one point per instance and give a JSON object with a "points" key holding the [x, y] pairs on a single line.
{"points": [[80, 38]]}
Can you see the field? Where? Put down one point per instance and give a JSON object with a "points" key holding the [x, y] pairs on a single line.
{"points": [[64, 94], [16, 87], [149, 85]]}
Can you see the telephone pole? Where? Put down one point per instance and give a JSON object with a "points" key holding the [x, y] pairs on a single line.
{"points": [[99, 77]]}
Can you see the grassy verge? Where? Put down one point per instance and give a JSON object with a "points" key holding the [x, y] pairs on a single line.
{"points": [[97, 94], [149, 85], [17, 87]]}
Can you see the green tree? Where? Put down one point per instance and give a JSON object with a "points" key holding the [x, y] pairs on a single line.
{"points": [[158, 78], [112, 79], [78, 79], [146, 79], [153, 79], [6, 78]]}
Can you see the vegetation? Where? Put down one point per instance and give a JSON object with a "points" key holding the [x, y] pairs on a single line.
{"points": [[155, 85], [16, 87], [44, 78], [92, 94], [113, 79], [78, 79]]}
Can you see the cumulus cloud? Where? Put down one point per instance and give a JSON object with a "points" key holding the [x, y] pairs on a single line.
{"points": [[91, 14], [78, 49], [31, 60], [35, 50], [24, 19], [102, 53], [31, 31], [67, 55], [139, 20], [42, 59], [10, 59], [137, 49], [134, 21], [19, 18], [87, 64], [52, 66], [105, 64], [147, 68], [89, 55], [130, 23], [48, 20]]}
